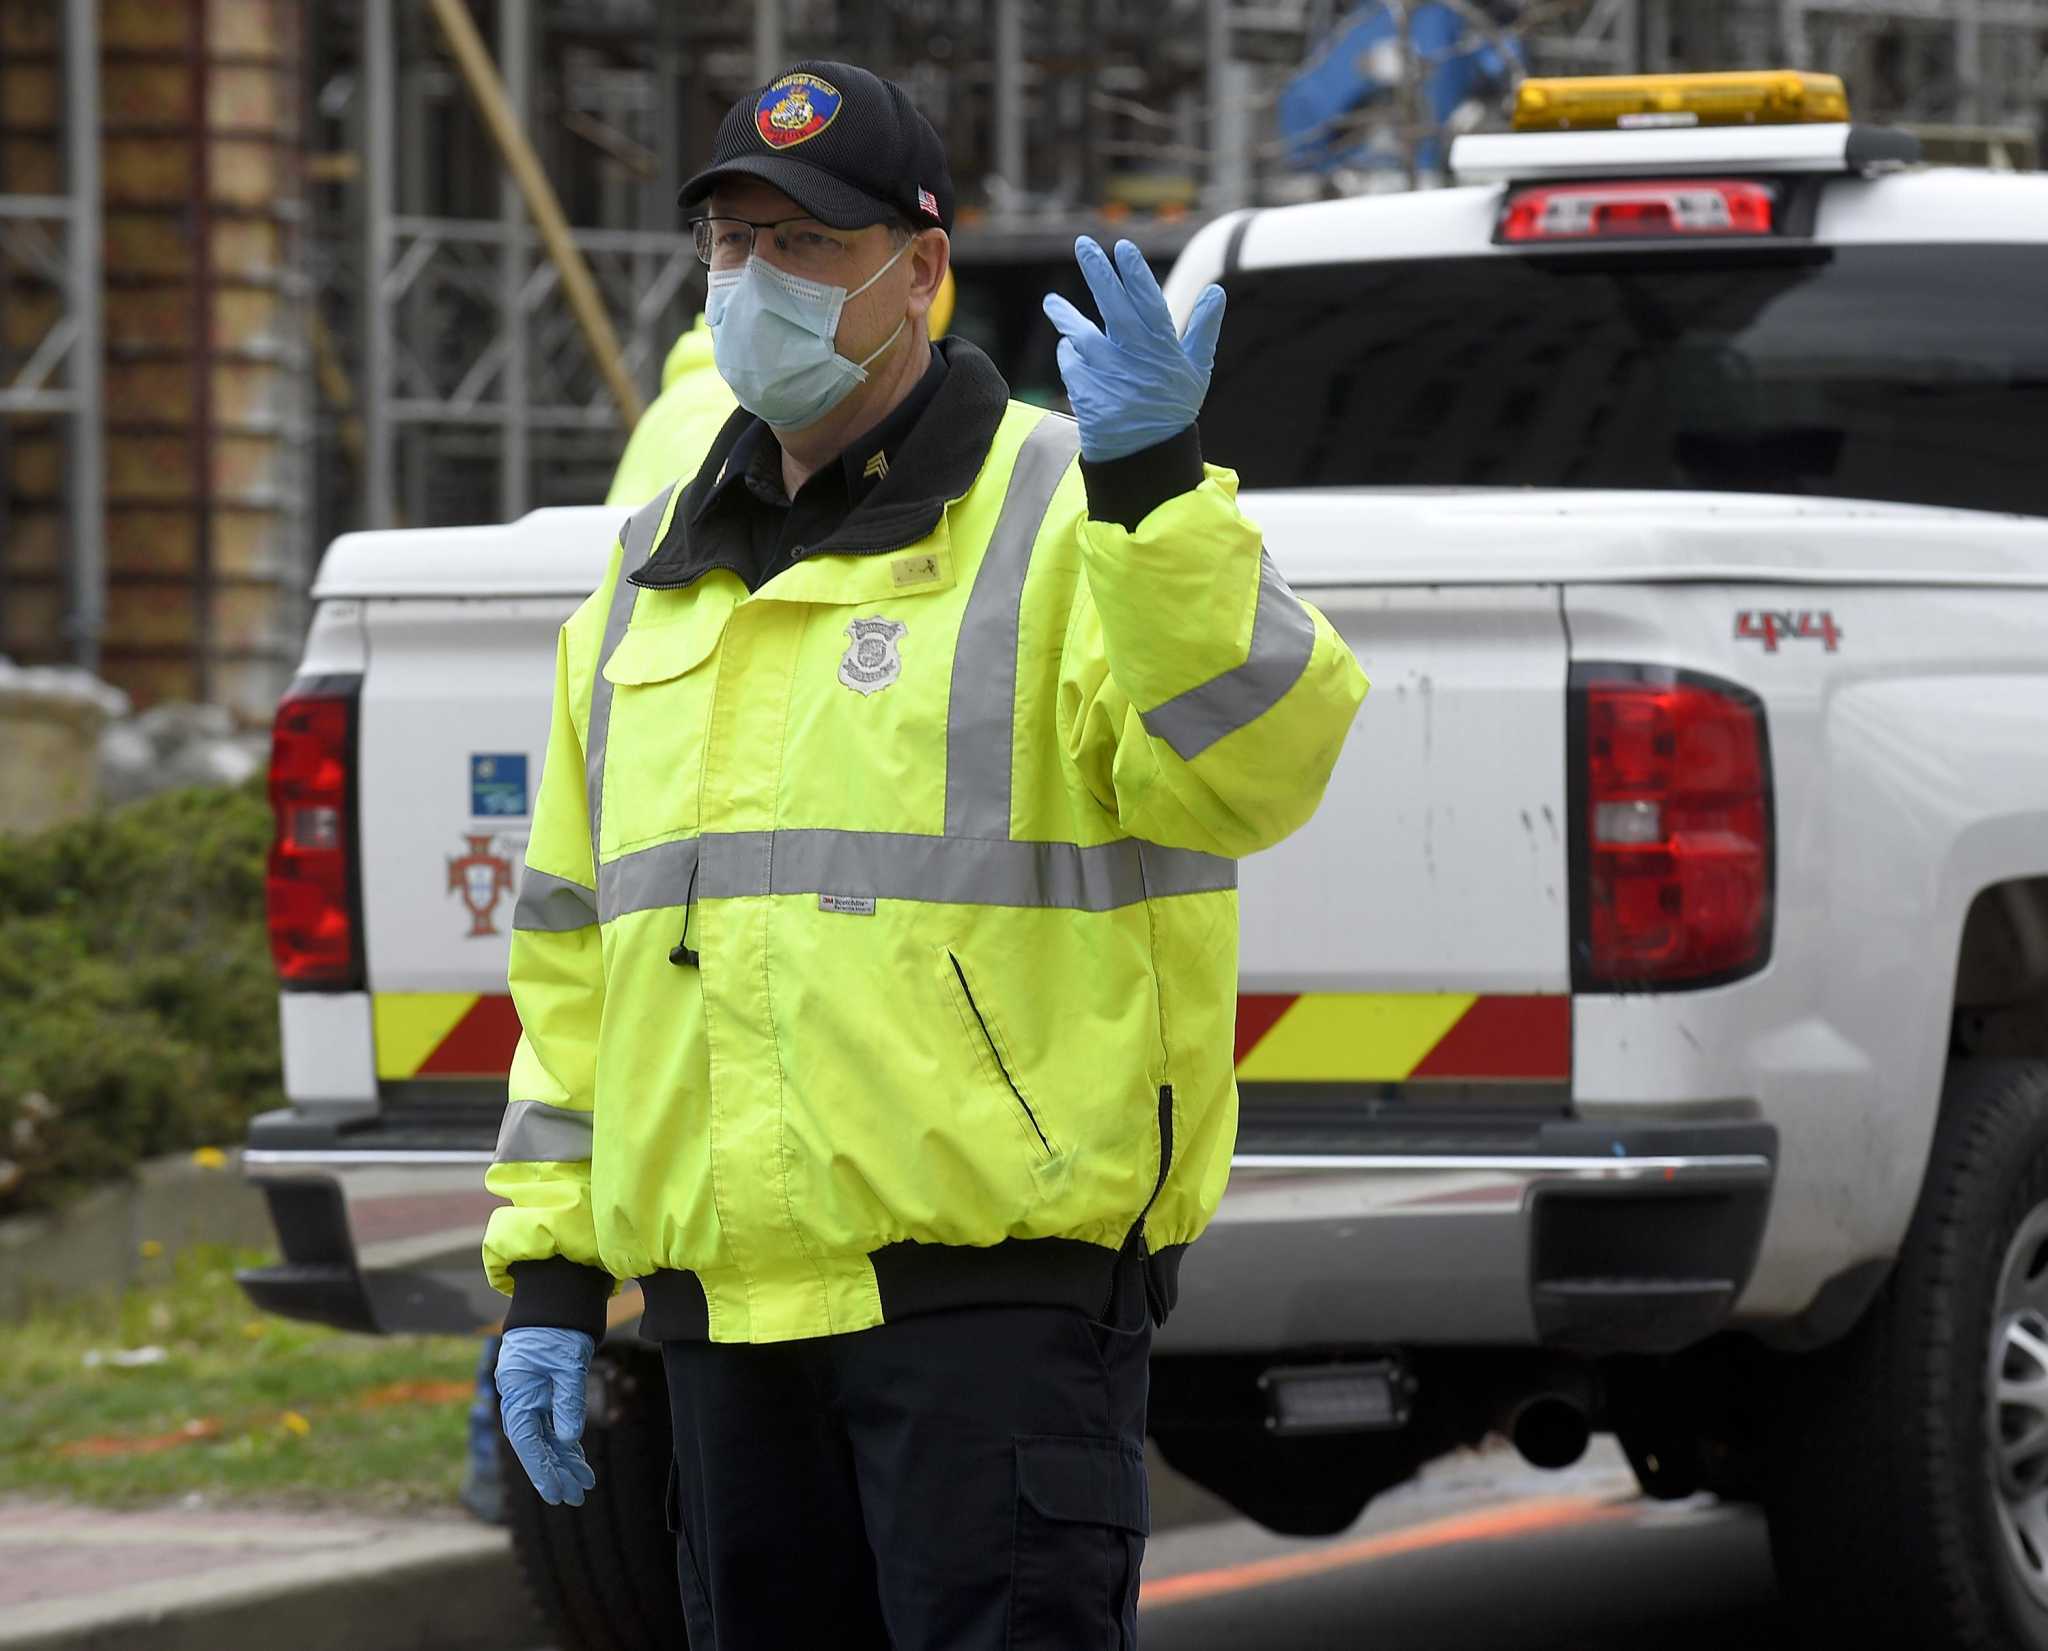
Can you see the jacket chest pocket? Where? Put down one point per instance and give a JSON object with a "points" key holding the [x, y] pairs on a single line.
{"points": [[661, 678]]}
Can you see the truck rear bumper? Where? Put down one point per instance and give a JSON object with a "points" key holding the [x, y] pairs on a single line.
{"points": [[382, 1239], [1637, 1239]]}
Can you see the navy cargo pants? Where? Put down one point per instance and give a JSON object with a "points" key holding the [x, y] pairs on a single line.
{"points": [[971, 1480]]}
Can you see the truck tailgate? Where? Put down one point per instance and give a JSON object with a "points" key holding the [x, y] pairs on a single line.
{"points": [[1411, 942], [454, 720]]}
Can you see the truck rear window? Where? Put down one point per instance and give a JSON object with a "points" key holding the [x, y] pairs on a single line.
{"points": [[1910, 373]]}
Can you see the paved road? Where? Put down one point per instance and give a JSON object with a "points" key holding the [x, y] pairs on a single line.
{"points": [[1483, 1554], [1551, 1575]]}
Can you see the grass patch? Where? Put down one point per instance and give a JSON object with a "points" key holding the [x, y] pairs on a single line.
{"points": [[242, 1407]]}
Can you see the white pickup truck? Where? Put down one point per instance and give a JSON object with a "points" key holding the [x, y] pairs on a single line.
{"points": [[1647, 1036]]}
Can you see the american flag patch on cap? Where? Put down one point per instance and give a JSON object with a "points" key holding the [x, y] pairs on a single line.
{"points": [[928, 202]]}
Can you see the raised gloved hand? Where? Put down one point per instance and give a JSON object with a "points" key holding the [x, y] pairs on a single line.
{"points": [[540, 1400], [1133, 381]]}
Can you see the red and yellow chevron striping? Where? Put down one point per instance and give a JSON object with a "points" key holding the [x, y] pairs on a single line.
{"points": [[444, 1034], [1285, 1037], [1402, 1037]]}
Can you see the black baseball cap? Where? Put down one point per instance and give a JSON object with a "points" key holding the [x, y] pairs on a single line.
{"points": [[847, 146]]}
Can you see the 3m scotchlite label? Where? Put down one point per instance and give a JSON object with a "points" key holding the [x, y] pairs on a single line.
{"points": [[983, 703], [1283, 637], [553, 905], [856, 868], [638, 540], [536, 1132]]}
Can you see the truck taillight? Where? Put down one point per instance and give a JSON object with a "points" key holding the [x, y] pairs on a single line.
{"points": [[1637, 207], [310, 888], [1672, 881]]}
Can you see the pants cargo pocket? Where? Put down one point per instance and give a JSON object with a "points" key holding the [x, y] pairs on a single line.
{"points": [[1082, 1516], [689, 1577]]}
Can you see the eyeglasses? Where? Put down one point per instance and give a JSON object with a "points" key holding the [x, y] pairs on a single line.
{"points": [[803, 246]]}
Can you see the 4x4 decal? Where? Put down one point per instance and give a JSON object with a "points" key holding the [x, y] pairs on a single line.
{"points": [[1770, 627]]}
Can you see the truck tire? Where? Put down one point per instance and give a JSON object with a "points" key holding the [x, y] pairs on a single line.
{"points": [[1907, 1491], [603, 1576]]}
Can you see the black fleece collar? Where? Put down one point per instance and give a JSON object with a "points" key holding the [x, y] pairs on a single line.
{"points": [[935, 463]]}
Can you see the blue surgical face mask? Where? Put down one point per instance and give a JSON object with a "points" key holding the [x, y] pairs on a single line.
{"points": [[772, 336]]}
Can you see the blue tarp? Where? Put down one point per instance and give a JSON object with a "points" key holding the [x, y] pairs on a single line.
{"points": [[1457, 64]]}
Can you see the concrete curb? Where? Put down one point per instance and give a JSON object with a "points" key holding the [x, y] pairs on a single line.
{"points": [[402, 1585], [416, 1588], [96, 1242]]}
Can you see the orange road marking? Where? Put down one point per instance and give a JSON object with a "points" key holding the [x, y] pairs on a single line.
{"points": [[1487, 1525]]}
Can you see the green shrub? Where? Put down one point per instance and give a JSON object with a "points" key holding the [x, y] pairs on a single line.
{"points": [[138, 1012]]}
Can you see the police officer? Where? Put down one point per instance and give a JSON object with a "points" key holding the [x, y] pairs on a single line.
{"points": [[877, 948]]}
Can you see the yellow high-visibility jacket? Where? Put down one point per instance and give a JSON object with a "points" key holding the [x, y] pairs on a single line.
{"points": [[951, 816], [679, 424]]}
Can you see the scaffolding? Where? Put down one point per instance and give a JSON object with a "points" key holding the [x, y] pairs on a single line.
{"points": [[475, 392], [51, 339], [409, 283]]}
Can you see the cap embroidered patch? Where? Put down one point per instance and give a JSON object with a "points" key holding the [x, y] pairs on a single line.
{"points": [[796, 107], [928, 202]]}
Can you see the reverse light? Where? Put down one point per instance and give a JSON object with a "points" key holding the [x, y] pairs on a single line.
{"points": [[1751, 97], [1636, 208], [1672, 880], [310, 889]]}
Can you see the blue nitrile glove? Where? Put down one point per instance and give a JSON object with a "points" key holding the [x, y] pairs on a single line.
{"points": [[1133, 382], [540, 1400]]}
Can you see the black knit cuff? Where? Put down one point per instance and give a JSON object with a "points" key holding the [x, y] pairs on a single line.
{"points": [[1127, 490], [559, 1294]]}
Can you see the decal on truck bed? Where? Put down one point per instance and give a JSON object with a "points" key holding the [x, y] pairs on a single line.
{"points": [[1399, 1037], [482, 875], [1285, 1037]]}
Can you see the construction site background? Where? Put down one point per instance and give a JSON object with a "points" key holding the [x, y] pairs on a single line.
{"points": [[270, 271]]}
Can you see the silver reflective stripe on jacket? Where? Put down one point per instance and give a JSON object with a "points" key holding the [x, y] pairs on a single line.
{"points": [[888, 865], [553, 905], [646, 879], [976, 862], [982, 708], [638, 540], [1283, 637], [535, 1132]]}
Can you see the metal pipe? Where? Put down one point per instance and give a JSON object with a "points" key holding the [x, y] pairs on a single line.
{"points": [[1792, 25], [87, 480], [481, 75], [377, 105], [1228, 87], [1411, 95], [1551, 1430], [1656, 33], [202, 359], [767, 40], [515, 50], [1009, 94], [1970, 102]]}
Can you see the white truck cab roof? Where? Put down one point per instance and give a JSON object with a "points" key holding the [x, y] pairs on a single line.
{"points": [[1918, 205]]}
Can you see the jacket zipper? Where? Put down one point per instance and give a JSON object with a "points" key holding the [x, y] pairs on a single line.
{"points": [[987, 1037], [1135, 1238]]}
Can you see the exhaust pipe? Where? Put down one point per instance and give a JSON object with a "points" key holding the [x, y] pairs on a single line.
{"points": [[1551, 1430]]}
